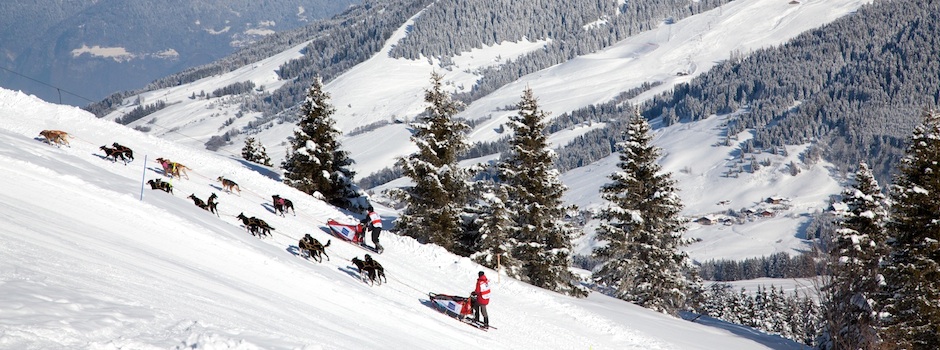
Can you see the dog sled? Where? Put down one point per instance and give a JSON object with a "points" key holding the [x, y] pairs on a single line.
{"points": [[351, 233], [454, 306], [457, 307]]}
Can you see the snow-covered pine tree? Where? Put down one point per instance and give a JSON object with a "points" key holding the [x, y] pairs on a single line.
{"points": [[262, 155], [805, 326], [494, 227], [912, 275], [440, 191], [317, 164], [641, 230], [744, 309], [719, 301], [542, 238], [855, 256], [763, 314], [254, 152], [793, 317], [778, 321], [249, 151]]}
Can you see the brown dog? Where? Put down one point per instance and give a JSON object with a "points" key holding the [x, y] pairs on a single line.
{"points": [[56, 137], [178, 170], [173, 168], [229, 185]]}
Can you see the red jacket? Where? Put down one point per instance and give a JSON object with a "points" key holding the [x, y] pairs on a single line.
{"points": [[483, 291]]}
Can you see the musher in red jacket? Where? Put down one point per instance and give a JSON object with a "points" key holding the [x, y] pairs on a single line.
{"points": [[481, 297]]}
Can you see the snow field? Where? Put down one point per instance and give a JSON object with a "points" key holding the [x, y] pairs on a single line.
{"points": [[87, 264]]}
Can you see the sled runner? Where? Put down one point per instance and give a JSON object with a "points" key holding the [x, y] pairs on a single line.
{"points": [[348, 233]]}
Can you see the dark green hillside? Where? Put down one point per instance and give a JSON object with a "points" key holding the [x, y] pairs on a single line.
{"points": [[855, 86]]}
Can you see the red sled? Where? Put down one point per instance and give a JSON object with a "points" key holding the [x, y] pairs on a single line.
{"points": [[347, 232]]}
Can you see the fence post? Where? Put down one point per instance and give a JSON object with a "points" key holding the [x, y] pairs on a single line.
{"points": [[143, 176], [499, 276]]}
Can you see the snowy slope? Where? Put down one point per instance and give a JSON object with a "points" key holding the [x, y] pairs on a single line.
{"points": [[383, 89], [88, 263], [700, 165]]}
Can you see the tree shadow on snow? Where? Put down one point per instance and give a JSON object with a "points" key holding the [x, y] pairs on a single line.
{"points": [[260, 169], [768, 340], [803, 230]]}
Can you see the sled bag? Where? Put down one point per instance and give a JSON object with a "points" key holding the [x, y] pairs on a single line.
{"points": [[455, 304], [345, 231]]}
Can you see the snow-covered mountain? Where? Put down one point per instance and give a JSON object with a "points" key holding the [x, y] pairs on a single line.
{"points": [[389, 90], [93, 260]]}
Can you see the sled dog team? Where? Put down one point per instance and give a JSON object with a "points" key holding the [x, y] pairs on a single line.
{"points": [[254, 225], [369, 270]]}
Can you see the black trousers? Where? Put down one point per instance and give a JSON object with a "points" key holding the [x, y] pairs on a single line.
{"points": [[375, 237], [480, 309]]}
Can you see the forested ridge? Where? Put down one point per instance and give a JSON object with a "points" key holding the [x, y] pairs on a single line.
{"points": [[443, 29], [853, 86], [573, 28]]}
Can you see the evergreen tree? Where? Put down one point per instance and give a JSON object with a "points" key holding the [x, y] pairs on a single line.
{"points": [[793, 317], [762, 314], [642, 230], [744, 309], [912, 298], [780, 317], [542, 238], [317, 165], [805, 324], [254, 152], [855, 256], [495, 240], [249, 150], [719, 301], [440, 191]]}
